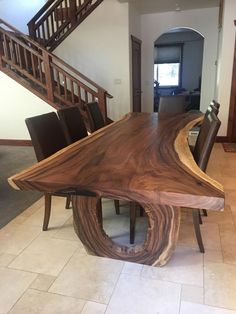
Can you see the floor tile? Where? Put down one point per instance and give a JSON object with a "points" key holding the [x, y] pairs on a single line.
{"points": [[13, 284], [194, 308], [192, 293], [39, 302], [45, 255], [185, 267], [144, 296], [43, 282], [6, 259], [94, 308], [88, 277], [220, 285], [15, 238], [132, 268]]}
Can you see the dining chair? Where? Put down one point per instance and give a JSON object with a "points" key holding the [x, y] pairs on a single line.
{"points": [[95, 116], [47, 138], [72, 123], [201, 154], [172, 104], [96, 122]]}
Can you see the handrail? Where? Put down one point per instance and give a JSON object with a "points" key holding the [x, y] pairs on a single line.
{"points": [[57, 81], [57, 19]]}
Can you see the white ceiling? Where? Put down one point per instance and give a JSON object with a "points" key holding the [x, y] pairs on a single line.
{"points": [[151, 6]]}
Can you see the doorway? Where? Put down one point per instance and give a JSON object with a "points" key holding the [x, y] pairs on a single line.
{"points": [[178, 56], [136, 74]]}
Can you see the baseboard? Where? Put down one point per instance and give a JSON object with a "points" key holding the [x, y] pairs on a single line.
{"points": [[10, 142], [222, 139]]}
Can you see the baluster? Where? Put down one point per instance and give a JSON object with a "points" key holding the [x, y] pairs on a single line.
{"points": [[12, 52], [27, 67], [73, 10], [56, 19], [7, 49], [52, 23], [47, 29], [86, 96], [48, 75], [43, 32], [65, 87], [58, 82], [33, 65], [19, 54], [40, 69], [79, 94], [72, 92], [1, 50]]}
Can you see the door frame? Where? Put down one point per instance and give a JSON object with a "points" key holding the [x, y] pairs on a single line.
{"points": [[139, 42], [231, 130]]}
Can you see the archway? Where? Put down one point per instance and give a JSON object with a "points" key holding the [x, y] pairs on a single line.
{"points": [[178, 56]]}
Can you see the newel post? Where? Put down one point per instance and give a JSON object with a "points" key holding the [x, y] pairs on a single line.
{"points": [[72, 11], [32, 32], [102, 102], [48, 75]]}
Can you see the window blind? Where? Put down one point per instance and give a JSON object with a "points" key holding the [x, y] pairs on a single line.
{"points": [[167, 54]]}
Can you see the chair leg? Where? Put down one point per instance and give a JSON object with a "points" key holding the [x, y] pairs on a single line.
{"points": [[99, 211], [47, 210], [117, 207], [204, 212], [200, 217], [141, 211], [68, 200], [196, 224], [132, 221]]}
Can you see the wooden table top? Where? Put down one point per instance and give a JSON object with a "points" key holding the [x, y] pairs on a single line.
{"points": [[143, 157]]}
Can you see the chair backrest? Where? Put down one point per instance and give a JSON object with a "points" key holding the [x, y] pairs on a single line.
{"points": [[206, 139], [46, 134], [96, 120], [172, 104], [72, 124]]}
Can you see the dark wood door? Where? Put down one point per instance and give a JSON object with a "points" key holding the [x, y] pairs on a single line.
{"points": [[136, 73], [231, 133]]}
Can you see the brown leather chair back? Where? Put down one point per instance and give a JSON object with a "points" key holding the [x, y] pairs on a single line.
{"points": [[96, 120], [72, 124], [206, 139], [172, 104], [46, 134]]}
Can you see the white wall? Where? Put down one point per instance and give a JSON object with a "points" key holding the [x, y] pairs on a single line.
{"points": [[99, 48], [19, 12], [17, 103], [204, 21], [225, 64]]}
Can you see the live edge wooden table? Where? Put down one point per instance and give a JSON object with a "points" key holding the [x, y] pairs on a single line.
{"points": [[143, 158]]}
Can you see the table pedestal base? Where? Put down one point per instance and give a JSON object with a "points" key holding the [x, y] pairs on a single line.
{"points": [[162, 233]]}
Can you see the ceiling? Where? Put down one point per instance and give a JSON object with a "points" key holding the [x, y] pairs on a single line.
{"points": [[153, 6]]}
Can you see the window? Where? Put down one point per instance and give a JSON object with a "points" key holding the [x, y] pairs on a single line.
{"points": [[167, 65]]}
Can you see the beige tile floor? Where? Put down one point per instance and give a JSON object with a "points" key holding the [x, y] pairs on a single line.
{"points": [[50, 272]]}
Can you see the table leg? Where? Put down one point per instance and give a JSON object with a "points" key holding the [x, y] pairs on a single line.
{"points": [[162, 233]]}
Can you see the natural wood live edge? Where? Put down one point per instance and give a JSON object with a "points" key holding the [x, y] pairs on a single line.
{"points": [[142, 157]]}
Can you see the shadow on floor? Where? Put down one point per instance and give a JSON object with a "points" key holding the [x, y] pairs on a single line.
{"points": [[13, 159]]}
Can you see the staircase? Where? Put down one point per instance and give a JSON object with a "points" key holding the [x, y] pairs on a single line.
{"points": [[57, 19], [46, 75]]}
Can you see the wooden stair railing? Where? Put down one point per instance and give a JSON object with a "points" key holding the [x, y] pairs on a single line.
{"points": [[57, 19], [46, 75]]}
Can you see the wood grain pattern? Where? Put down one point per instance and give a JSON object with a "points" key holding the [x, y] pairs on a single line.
{"points": [[142, 157]]}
